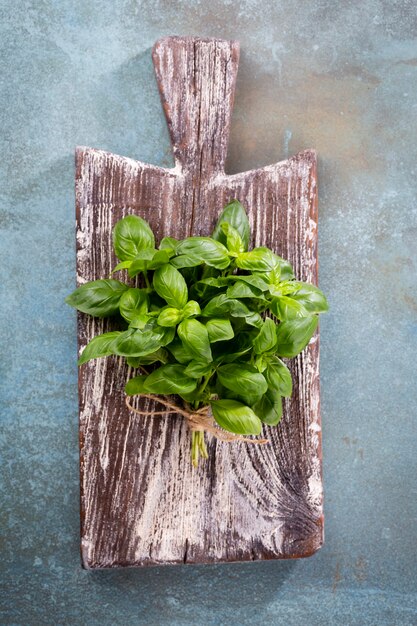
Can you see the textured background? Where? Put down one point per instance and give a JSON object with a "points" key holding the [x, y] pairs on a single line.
{"points": [[336, 76]]}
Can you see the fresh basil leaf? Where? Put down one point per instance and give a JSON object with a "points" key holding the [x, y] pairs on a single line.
{"points": [[208, 288], [258, 260], [283, 288], [221, 305], [169, 316], [169, 379], [168, 243], [161, 257], [198, 369], [267, 338], [219, 282], [131, 235], [294, 335], [228, 352], [191, 309], [148, 259], [282, 271], [98, 347], [236, 417], [133, 302], [311, 297], [186, 260], [206, 249], [243, 290], [180, 352], [234, 241], [99, 298], [160, 355], [269, 408], [286, 308], [219, 329], [261, 362], [194, 336], [140, 320], [124, 265], [253, 280], [242, 379], [278, 377], [134, 342], [235, 215], [133, 361], [170, 284], [135, 386], [254, 319]]}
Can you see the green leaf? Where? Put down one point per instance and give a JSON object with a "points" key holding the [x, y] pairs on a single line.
{"points": [[168, 243], [140, 321], [254, 319], [255, 280], [311, 297], [287, 308], [169, 316], [243, 379], [267, 338], [161, 257], [180, 352], [198, 369], [293, 336], [236, 417], [99, 298], [131, 235], [98, 347], [219, 329], [282, 271], [282, 288], [149, 259], [269, 408], [235, 215], [258, 260], [186, 260], [141, 261], [160, 355], [221, 305], [208, 287], [134, 302], [170, 284], [191, 309], [135, 342], [169, 379], [206, 249], [135, 386], [278, 377], [243, 290], [123, 265], [241, 344], [195, 338], [234, 241]]}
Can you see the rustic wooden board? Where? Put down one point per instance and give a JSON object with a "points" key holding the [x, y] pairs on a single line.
{"points": [[142, 502]]}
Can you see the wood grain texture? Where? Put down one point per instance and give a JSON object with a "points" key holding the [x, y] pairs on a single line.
{"points": [[142, 502]]}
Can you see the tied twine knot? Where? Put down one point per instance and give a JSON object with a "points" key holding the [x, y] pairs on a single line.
{"points": [[198, 420]]}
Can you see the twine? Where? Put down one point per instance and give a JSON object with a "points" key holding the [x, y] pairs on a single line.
{"points": [[198, 420]]}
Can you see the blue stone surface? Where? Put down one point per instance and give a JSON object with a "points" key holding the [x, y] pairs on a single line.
{"points": [[340, 77]]}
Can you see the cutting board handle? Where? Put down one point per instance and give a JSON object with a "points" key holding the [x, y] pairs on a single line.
{"points": [[196, 79]]}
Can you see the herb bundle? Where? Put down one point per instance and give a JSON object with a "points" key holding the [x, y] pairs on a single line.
{"points": [[202, 318]]}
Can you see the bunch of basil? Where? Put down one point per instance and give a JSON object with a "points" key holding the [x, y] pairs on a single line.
{"points": [[202, 316]]}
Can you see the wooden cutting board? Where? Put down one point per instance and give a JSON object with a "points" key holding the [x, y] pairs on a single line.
{"points": [[142, 502]]}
